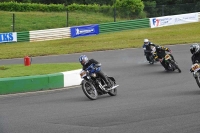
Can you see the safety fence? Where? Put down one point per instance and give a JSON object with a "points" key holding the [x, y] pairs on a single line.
{"points": [[124, 25], [199, 16], [23, 36], [50, 34], [85, 30]]}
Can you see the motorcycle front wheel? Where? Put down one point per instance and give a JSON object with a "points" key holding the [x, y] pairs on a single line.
{"points": [[198, 80], [112, 92], [89, 90], [151, 59]]}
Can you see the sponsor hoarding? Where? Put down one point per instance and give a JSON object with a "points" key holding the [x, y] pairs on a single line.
{"points": [[173, 20], [8, 37], [86, 30]]}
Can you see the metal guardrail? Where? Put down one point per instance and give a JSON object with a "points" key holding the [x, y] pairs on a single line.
{"points": [[124, 25], [50, 34], [59, 33]]}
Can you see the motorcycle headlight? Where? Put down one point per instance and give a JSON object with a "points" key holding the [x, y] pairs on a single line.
{"points": [[93, 75]]}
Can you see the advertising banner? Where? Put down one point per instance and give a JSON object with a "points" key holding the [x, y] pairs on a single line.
{"points": [[173, 20], [86, 30], [8, 37]]}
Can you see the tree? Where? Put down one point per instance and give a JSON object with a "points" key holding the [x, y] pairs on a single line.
{"points": [[129, 8]]}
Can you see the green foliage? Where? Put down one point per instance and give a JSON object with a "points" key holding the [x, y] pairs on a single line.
{"points": [[150, 8], [132, 8], [26, 7], [126, 8]]}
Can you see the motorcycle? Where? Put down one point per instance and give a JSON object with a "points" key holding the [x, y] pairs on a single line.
{"points": [[150, 55], [93, 85], [172, 64], [196, 72]]}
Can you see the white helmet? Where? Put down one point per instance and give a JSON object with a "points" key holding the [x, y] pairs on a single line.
{"points": [[146, 40]]}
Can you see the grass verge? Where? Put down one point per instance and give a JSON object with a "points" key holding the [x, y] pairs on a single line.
{"points": [[36, 69]]}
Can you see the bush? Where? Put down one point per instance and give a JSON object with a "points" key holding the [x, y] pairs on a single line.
{"points": [[125, 8], [130, 8]]}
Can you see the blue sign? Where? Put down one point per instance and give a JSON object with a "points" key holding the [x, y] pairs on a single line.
{"points": [[8, 37], [86, 30]]}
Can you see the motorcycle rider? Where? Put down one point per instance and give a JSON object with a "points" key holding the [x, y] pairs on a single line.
{"points": [[147, 47], [85, 62], [195, 51], [160, 50]]}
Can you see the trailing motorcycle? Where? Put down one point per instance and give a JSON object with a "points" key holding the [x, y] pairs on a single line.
{"points": [[93, 85], [196, 72], [150, 55], [172, 64]]}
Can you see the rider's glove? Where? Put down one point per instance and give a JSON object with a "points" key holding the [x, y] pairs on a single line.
{"points": [[160, 60], [98, 65], [170, 50], [191, 70]]}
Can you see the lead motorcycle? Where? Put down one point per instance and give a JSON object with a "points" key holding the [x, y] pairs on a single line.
{"points": [[172, 64], [196, 72], [93, 85]]}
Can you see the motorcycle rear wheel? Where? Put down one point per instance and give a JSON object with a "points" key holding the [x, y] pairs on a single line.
{"points": [[177, 67], [89, 90]]}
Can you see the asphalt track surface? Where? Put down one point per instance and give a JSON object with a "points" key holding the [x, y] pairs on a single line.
{"points": [[149, 100]]}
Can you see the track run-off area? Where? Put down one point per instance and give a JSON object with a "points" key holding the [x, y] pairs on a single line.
{"points": [[149, 99]]}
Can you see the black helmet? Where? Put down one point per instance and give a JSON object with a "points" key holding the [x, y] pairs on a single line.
{"points": [[194, 48]]}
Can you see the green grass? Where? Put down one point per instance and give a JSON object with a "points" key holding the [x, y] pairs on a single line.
{"points": [[28, 21], [179, 34], [18, 70]]}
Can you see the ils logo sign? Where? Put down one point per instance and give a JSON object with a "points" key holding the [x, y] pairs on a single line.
{"points": [[156, 22]]}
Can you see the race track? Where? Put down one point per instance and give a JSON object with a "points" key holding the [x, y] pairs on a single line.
{"points": [[149, 100]]}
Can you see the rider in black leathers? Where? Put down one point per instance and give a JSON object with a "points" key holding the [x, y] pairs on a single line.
{"points": [[195, 51], [160, 50], [85, 62]]}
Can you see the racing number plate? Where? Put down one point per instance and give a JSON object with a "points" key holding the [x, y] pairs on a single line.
{"points": [[83, 74], [167, 57], [195, 67]]}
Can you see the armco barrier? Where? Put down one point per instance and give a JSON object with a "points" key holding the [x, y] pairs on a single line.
{"points": [[124, 25], [23, 36], [199, 15], [42, 35], [39, 82], [49, 34]]}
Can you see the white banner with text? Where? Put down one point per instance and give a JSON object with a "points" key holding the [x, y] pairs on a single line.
{"points": [[173, 20]]}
